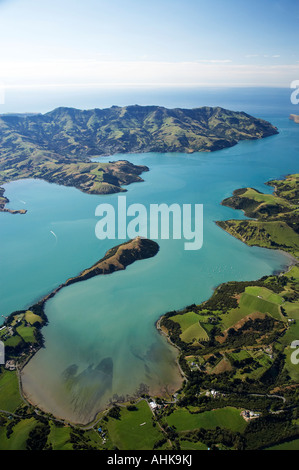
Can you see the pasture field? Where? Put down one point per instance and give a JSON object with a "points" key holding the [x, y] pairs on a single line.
{"points": [[232, 317], [293, 272], [59, 437], [10, 397], [239, 356], [252, 303], [195, 333], [191, 328], [265, 294], [291, 445], [263, 198], [254, 299], [17, 440], [188, 445], [13, 341], [228, 418], [292, 334], [27, 333], [31, 317], [292, 309], [134, 430], [186, 320]]}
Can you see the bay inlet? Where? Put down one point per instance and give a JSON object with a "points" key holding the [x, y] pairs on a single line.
{"points": [[101, 342]]}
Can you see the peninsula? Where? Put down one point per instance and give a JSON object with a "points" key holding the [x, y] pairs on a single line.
{"points": [[31, 320], [116, 259], [241, 387], [275, 216], [58, 146], [22, 338], [237, 347], [4, 201]]}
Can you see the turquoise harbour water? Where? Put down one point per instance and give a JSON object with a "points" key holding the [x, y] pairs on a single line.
{"points": [[101, 339]]}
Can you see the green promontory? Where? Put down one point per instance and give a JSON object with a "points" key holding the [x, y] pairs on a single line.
{"points": [[57, 146], [276, 216], [236, 348], [4, 200], [21, 332], [116, 259], [71, 134]]}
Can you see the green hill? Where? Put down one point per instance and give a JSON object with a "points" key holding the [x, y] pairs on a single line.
{"points": [[276, 215], [73, 134], [57, 146]]}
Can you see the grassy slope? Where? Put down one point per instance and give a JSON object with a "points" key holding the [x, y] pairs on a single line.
{"points": [[228, 418], [191, 327], [128, 434], [17, 441], [255, 357], [92, 178], [32, 318], [59, 437], [276, 223], [9, 391], [57, 146], [273, 297], [27, 333], [71, 132]]}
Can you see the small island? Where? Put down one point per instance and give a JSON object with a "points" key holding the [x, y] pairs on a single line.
{"points": [[295, 118], [58, 146]]}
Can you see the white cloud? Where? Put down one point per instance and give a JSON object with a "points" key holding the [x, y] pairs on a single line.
{"points": [[143, 73], [266, 56], [271, 56], [215, 61]]}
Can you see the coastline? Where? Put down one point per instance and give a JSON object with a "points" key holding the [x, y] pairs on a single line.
{"points": [[286, 269], [117, 174], [75, 165], [293, 261], [288, 255], [103, 267], [115, 259], [81, 276], [4, 200], [165, 335]]}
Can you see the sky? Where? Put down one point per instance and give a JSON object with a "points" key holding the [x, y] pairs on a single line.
{"points": [[156, 43]]}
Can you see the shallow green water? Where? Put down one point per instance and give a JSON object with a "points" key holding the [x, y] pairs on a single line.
{"points": [[101, 338]]}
